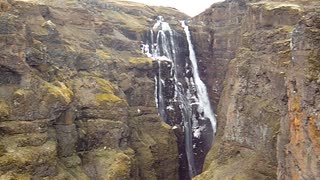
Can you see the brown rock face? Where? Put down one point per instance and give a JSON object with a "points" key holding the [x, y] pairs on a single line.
{"points": [[302, 152], [268, 108], [216, 35], [71, 82]]}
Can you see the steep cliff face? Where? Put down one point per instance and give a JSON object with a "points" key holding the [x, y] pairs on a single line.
{"points": [[268, 110], [216, 33], [302, 152], [77, 95]]}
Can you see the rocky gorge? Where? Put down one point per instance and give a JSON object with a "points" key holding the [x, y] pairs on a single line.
{"points": [[80, 100]]}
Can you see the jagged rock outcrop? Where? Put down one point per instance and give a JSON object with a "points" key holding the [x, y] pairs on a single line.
{"points": [[76, 94], [268, 124]]}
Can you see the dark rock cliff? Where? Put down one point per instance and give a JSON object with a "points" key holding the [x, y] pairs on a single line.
{"points": [[77, 95], [261, 62]]}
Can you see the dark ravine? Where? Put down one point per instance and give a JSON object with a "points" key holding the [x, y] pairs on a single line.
{"points": [[181, 96], [77, 96]]}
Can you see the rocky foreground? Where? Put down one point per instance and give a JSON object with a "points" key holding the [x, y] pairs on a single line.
{"points": [[77, 95]]}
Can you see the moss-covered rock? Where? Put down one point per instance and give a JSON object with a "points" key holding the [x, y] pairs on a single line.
{"points": [[59, 91], [106, 99], [152, 140], [11, 175], [2, 149], [109, 164], [4, 110], [30, 159], [121, 168], [65, 82], [140, 60], [314, 65], [142, 63], [100, 133], [103, 54]]}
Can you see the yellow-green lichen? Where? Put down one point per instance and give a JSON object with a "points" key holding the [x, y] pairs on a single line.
{"points": [[71, 2], [288, 29], [28, 157], [12, 175], [109, 100], [103, 54], [4, 109], [59, 90], [20, 93], [101, 98], [276, 5], [37, 44], [106, 86], [140, 60], [121, 167], [272, 6]]}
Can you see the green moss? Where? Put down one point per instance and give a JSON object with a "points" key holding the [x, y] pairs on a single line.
{"points": [[11, 175], [276, 5], [314, 65], [60, 91], [107, 98], [103, 54], [71, 161], [140, 60], [272, 6], [286, 29], [106, 86], [4, 109], [27, 158]]}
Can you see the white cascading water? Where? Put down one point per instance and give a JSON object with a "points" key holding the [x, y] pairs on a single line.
{"points": [[193, 94], [204, 103]]}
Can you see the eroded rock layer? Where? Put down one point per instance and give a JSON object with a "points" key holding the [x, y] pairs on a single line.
{"points": [[268, 122], [77, 95]]}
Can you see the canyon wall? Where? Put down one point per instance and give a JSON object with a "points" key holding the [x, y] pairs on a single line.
{"points": [[77, 95], [263, 72]]}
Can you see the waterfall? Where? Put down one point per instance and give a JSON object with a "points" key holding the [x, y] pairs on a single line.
{"points": [[203, 98], [180, 95]]}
